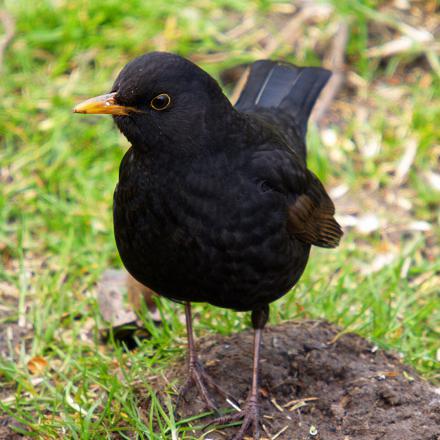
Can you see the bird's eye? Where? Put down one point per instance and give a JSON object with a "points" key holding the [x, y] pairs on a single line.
{"points": [[161, 102]]}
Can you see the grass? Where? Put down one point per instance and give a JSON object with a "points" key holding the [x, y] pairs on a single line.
{"points": [[58, 171]]}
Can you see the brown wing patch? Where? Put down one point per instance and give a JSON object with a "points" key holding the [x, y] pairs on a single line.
{"points": [[311, 219]]}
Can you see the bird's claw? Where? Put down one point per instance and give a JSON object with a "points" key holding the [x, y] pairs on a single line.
{"points": [[250, 415], [199, 377]]}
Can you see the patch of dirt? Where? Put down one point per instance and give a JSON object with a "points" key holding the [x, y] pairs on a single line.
{"points": [[6, 433], [318, 384]]}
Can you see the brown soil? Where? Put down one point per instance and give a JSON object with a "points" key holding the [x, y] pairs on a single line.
{"points": [[314, 386], [6, 433], [356, 391]]}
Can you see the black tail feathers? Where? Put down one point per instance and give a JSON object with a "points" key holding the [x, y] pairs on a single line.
{"points": [[273, 84]]}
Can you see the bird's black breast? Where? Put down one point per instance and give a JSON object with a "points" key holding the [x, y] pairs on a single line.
{"points": [[205, 231]]}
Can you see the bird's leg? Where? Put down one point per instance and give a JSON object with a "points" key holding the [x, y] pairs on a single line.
{"points": [[196, 373], [250, 413]]}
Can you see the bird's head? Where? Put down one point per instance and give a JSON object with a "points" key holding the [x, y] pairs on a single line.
{"points": [[161, 100]]}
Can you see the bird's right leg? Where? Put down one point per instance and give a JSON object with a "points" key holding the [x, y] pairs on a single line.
{"points": [[250, 413], [196, 373]]}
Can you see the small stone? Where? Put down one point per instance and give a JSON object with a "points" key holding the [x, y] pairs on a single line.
{"points": [[313, 431]]}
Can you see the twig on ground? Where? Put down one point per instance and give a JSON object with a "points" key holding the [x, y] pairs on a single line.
{"points": [[239, 86], [337, 66], [402, 45], [293, 29], [412, 39], [406, 161], [9, 26], [288, 34], [279, 433]]}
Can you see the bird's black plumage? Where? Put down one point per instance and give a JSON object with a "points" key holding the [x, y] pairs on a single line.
{"points": [[201, 210], [214, 202]]}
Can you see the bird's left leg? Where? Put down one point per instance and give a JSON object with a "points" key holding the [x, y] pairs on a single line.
{"points": [[196, 373], [250, 413]]}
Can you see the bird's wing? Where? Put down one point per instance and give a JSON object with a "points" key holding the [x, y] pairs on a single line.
{"points": [[310, 211], [311, 216]]}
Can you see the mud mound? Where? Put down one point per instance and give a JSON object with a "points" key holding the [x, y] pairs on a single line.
{"points": [[317, 386]]}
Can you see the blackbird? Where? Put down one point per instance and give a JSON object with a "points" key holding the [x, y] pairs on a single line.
{"points": [[215, 202]]}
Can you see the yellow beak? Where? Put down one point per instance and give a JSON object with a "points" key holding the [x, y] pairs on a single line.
{"points": [[104, 104]]}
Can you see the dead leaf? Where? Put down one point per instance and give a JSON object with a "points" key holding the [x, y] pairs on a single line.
{"points": [[388, 373], [406, 161], [137, 292], [111, 291], [37, 365], [378, 263], [368, 223]]}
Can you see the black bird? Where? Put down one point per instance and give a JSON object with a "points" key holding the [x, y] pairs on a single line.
{"points": [[215, 202]]}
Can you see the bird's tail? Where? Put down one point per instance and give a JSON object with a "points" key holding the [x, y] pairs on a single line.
{"points": [[279, 85]]}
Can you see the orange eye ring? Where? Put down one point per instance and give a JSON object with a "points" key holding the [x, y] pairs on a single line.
{"points": [[161, 102]]}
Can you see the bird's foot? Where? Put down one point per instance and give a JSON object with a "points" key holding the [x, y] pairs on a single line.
{"points": [[250, 414], [202, 380]]}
